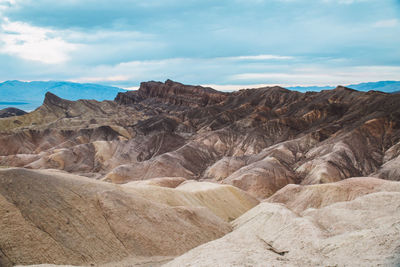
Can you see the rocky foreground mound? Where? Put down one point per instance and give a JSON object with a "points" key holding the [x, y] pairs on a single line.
{"points": [[59, 218], [363, 231], [355, 222]]}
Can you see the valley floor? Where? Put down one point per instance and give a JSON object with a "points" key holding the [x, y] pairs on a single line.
{"points": [[55, 217]]}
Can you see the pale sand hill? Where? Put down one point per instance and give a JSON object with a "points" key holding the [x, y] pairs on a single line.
{"points": [[323, 231], [361, 232], [298, 198], [58, 218], [225, 201], [171, 182]]}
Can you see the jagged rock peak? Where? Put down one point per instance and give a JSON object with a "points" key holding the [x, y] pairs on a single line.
{"points": [[51, 99], [277, 89], [174, 93], [157, 89], [344, 88]]}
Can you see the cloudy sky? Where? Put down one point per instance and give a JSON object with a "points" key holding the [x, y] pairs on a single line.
{"points": [[209, 42]]}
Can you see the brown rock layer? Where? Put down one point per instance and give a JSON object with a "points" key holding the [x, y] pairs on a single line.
{"points": [[172, 93], [256, 139]]}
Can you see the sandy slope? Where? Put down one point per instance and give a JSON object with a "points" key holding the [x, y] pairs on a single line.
{"points": [[53, 217], [361, 232]]}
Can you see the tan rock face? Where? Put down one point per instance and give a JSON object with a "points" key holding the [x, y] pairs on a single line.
{"points": [[51, 217], [262, 178], [360, 232]]}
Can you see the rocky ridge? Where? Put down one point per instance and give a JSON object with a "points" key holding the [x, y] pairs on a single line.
{"points": [[256, 139]]}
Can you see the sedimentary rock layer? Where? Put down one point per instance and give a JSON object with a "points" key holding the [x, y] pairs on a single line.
{"points": [[258, 140]]}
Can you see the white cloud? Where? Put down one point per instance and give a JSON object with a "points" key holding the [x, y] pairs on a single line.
{"points": [[105, 35], [6, 3], [346, 2], [33, 43], [131, 70], [389, 23], [129, 74], [131, 87], [324, 76], [285, 78], [114, 78], [259, 57]]}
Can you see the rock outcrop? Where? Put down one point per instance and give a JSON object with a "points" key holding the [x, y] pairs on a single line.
{"points": [[172, 93], [360, 232]]}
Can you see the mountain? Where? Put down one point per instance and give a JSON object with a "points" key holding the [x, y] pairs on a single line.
{"points": [[258, 140], [383, 86], [270, 174], [30, 95], [310, 88], [9, 112]]}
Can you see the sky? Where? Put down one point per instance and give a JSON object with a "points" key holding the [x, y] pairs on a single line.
{"points": [[222, 43]]}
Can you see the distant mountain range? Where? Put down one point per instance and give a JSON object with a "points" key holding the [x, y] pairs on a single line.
{"points": [[30, 95], [383, 86]]}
